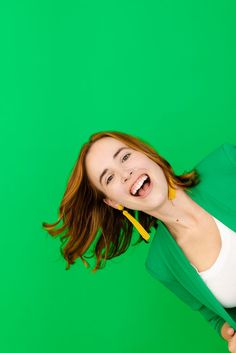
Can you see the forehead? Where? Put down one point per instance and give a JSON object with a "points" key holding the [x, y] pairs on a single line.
{"points": [[105, 144], [101, 154]]}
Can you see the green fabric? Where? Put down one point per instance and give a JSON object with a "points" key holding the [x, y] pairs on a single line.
{"points": [[216, 193]]}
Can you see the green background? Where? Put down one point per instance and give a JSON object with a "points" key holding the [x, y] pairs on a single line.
{"points": [[161, 70]]}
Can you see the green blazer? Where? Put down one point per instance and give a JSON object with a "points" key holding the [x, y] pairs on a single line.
{"points": [[216, 193]]}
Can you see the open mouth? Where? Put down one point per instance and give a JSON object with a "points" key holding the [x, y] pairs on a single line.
{"points": [[141, 186]]}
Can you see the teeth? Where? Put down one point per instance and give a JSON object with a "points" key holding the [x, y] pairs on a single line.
{"points": [[137, 185]]}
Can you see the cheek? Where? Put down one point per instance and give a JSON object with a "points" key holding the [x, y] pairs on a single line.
{"points": [[159, 175], [117, 191], [113, 191]]}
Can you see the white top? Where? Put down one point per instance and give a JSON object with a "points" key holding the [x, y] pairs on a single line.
{"points": [[221, 276]]}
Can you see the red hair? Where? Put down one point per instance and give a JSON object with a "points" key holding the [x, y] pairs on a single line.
{"points": [[87, 219]]}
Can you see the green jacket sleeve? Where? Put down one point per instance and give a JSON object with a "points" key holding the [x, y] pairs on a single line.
{"points": [[230, 151], [213, 319]]}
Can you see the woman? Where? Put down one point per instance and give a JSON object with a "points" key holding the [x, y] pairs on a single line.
{"points": [[116, 171]]}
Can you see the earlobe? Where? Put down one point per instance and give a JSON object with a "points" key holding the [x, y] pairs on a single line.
{"points": [[108, 202], [111, 203]]}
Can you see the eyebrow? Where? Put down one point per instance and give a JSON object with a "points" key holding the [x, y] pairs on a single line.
{"points": [[114, 156]]}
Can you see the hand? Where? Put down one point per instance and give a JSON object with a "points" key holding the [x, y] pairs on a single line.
{"points": [[232, 340], [227, 331]]}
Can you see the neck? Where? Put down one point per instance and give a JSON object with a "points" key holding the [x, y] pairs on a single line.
{"points": [[179, 215]]}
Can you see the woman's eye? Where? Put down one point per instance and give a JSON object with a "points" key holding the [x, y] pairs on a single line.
{"points": [[124, 159], [108, 179]]}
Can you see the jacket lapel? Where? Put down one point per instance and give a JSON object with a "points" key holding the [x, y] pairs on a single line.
{"points": [[179, 264]]}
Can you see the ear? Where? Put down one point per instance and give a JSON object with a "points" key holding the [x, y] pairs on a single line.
{"points": [[111, 203]]}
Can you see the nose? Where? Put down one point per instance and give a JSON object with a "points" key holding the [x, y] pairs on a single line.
{"points": [[126, 176]]}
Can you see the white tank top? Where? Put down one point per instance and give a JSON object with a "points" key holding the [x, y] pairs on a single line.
{"points": [[221, 276]]}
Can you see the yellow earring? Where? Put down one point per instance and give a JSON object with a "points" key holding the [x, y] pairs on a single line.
{"points": [[171, 190], [135, 223]]}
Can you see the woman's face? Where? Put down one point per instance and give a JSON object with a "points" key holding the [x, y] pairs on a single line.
{"points": [[114, 168]]}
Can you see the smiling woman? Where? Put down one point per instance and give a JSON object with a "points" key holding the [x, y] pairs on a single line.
{"points": [[113, 170]]}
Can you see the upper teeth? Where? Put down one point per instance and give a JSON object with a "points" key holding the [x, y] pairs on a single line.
{"points": [[137, 185]]}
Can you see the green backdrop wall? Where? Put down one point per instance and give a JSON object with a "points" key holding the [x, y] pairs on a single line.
{"points": [[160, 70]]}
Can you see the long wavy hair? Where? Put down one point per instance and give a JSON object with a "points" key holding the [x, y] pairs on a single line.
{"points": [[87, 219]]}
